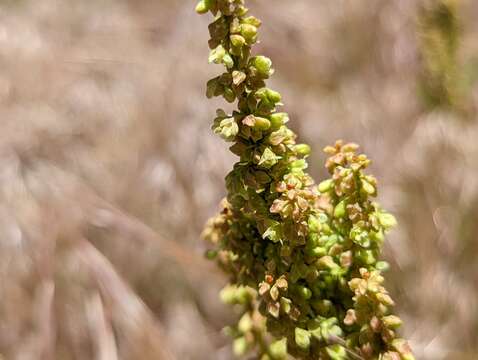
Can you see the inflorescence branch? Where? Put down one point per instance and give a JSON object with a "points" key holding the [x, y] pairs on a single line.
{"points": [[302, 258]]}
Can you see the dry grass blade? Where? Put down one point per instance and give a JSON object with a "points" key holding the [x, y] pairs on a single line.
{"points": [[129, 314], [45, 319], [101, 329]]}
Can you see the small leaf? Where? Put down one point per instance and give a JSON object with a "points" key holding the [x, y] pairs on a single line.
{"points": [[268, 158]]}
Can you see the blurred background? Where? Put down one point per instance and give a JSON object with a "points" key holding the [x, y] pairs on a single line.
{"points": [[109, 170]]}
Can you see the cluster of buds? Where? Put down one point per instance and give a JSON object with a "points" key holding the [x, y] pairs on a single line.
{"points": [[302, 258]]}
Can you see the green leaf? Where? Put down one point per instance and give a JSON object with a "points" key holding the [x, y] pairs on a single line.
{"points": [[273, 232]]}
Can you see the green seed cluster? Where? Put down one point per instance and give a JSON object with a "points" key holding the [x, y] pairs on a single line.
{"points": [[302, 258]]}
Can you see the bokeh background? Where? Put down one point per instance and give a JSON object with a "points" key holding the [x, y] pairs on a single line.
{"points": [[109, 170]]}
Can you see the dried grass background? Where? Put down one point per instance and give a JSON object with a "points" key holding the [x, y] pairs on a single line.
{"points": [[108, 170]]}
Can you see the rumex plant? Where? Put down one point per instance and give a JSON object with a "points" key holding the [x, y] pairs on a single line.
{"points": [[302, 258]]}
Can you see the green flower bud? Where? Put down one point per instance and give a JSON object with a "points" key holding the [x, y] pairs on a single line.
{"points": [[304, 292], [392, 321], [201, 7], [249, 32], [385, 299], [240, 346], [366, 256], [237, 40], [261, 123], [235, 295], [273, 96], [326, 185], [360, 236], [382, 265], [228, 61], [323, 307], [245, 324], [387, 220], [302, 149], [302, 338], [313, 224], [317, 251], [327, 262], [403, 348], [298, 165], [251, 20], [336, 352], [263, 65], [339, 211], [278, 119], [368, 188], [278, 349]]}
